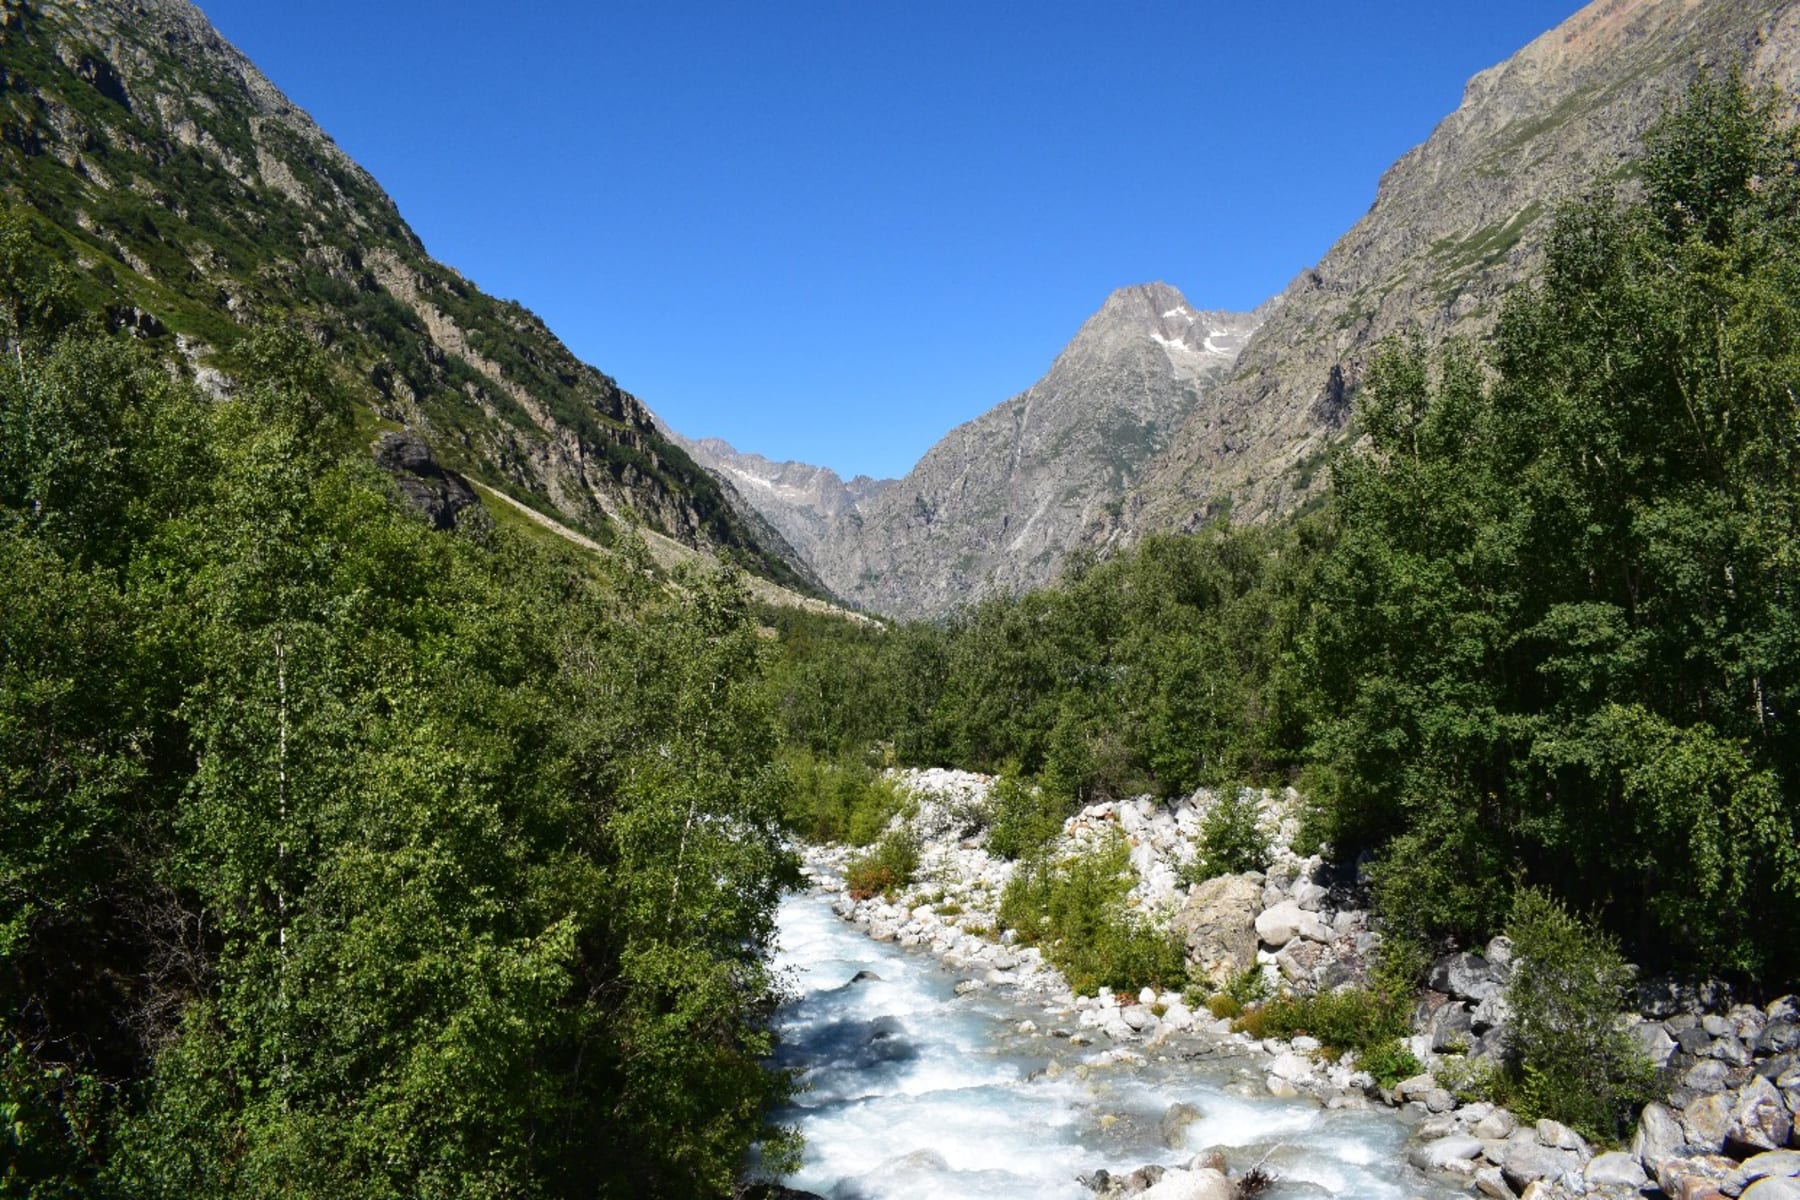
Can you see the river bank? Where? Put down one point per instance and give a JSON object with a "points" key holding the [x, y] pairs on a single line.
{"points": [[1733, 1080]]}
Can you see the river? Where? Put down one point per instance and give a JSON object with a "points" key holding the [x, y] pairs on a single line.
{"points": [[915, 1092]]}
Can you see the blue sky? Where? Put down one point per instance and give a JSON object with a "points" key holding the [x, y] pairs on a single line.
{"points": [[832, 231]]}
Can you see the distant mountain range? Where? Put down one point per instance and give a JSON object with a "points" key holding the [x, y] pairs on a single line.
{"points": [[1138, 428], [198, 202]]}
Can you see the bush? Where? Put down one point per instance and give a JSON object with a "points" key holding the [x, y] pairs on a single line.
{"points": [[842, 801], [1076, 909], [1388, 1062], [1223, 1006], [1566, 1054], [1355, 1019], [1232, 838], [1022, 818], [886, 868]]}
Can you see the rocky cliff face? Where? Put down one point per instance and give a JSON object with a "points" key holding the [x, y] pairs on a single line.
{"points": [[199, 202], [803, 502], [1456, 222], [998, 502]]}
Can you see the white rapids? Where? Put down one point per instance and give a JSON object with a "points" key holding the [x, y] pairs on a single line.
{"points": [[911, 1092]]}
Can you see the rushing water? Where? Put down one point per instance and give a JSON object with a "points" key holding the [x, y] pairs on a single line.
{"points": [[914, 1092]]}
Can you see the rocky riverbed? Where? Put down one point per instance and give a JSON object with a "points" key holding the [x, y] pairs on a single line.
{"points": [[1724, 1131]]}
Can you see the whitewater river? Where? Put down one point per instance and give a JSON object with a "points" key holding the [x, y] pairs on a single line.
{"points": [[915, 1092]]}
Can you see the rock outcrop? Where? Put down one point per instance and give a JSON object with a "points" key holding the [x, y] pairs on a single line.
{"points": [[1456, 222]]}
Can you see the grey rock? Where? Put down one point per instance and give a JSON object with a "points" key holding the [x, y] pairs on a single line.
{"points": [[1496, 1126], [1784, 1008], [1615, 1169], [1217, 923], [1465, 976], [1453, 1029], [1655, 1042], [1438, 1100], [1706, 1120], [1277, 926], [1526, 1162], [1559, 1136], [1681, 1177], [1490, 1182], [1778, 1163], [1759, 1119], [1707, 1076], [1694, 1040], [1175, 1120], [1730, 1051], [1438, 1155], [1774, 1187], [1780, 1036], [1659, 1135]]}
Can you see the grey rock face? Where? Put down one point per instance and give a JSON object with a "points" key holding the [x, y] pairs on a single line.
{"points": [[998, 503], [1456, 222]]}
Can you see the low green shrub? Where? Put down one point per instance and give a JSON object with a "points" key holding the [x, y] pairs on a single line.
{"points": [[1223, 1006], [886, 868], [1232, 838], [1567, 1056], [1389, 1062], [1353, 1019], [843, 801], [1075, 908], [1022, 818]]}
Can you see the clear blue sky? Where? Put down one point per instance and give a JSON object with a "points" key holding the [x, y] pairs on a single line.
{"points": [[832, 231]]}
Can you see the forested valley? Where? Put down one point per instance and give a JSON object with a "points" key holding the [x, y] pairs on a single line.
{"points": [[341, 856]]}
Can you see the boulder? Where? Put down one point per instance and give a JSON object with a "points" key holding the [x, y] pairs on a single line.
{"points": [[1773, 1187], [1525, 1162], [1491, 1183], [1693, 1178], [1218, 925], [1655, 1042], [1706, 1120], [1203, 1184], [1495, 1126], [1759, 1120], [1774, 1163], [1779, 1036], [1457, 1153], [1658, 1135], [1277, 926], [1466, 976], [1558, 1136], [1615, 1169], [1175, 1120]]}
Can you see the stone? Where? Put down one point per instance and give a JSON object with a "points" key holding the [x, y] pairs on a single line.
{"points": [[1655, 1042], [1492, 1184], [1694, 1178], [1277, 926], [1707, 1076], [1779, 1036], [1296, 1068], [1439, 1100], [1525, 1162], [1137, 1017], [1202, 1184], [1218, 925], [1415, 1087], [1759, 1120], [1175, 1120], [1465, 976], [1559, 1136], [1496, 1126], [1773, 1187], [1776, 1163], [1706, 1120], [1694, 1040], [1658, 1135], [1615, 1169], [1730, 1051], [1452, 1029], [1438, 1155]]}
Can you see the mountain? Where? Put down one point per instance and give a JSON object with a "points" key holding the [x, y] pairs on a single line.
{"points": [[1456, 222], [803, 502], [198, 203], [998, 501]]}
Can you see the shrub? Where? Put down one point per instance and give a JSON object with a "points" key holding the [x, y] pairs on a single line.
{"points": [[1389, 1062], [1232, 838], [1223, 1006], [1076, 909], [1566, 1054], [1354, 1019], [842, 801], [886, 868], [1022, 818]]}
